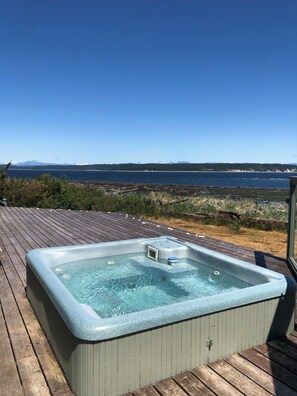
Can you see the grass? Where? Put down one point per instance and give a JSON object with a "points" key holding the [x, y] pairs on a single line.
{"points": [[232, 212], [273, 242], [244, 207]]}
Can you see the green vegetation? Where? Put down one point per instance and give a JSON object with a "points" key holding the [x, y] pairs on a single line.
{"points": [[245, 212], [51, 192], [3, 176], [238, 207]]}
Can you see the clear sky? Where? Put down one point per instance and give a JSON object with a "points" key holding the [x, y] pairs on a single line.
{"points": [[113, 81]]}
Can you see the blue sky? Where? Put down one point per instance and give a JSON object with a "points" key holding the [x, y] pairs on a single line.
{"points": [[114, 81]]}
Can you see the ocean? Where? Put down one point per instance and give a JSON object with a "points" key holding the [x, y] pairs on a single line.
{"points": [[217, 179]]}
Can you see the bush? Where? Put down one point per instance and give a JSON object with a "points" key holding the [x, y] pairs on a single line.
{"points": [[52, 192]]}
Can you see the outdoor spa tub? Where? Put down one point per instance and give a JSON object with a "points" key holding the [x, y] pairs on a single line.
{"points": [[125, 314]]}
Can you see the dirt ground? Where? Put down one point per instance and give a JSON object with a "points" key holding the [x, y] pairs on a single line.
{"points": [[272, 242]]}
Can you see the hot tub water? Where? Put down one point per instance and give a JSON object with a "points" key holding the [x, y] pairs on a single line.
{"points": [[134, 283]]}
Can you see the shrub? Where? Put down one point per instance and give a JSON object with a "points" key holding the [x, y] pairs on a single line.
{"points": [[51, 192]]}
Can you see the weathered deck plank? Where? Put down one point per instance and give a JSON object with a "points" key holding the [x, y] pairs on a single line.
{"points": [[29, 366], [260, 377], [237, 379], [9, 379], [23, 351], [272, 368], [192, 385], [215, 382]]}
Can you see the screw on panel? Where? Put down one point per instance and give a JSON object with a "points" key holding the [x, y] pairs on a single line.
{"points": [[209, 344]]}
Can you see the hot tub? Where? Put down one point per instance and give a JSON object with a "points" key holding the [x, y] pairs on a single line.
{"points": [[121, 315]]}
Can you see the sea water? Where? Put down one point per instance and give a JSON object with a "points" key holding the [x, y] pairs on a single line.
{"points": [[122, 284], [222, 179]]}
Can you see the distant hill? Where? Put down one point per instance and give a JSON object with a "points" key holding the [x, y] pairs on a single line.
{"points": [[37, 163], [181, 166], [32, 163]]}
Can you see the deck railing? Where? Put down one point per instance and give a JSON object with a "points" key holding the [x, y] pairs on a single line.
{"points": [[292, 229]]}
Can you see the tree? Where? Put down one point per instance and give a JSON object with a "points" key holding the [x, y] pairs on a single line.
{"points": [[3, 176]]}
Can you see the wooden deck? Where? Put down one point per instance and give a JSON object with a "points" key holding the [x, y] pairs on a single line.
{"points": [[27, 364]]}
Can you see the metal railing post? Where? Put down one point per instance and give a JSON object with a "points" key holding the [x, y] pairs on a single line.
{"points": [[3, 201], [292, 223]]}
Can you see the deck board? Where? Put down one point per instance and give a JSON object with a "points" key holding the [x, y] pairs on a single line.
{"points": [[256, 374], [28, 365], [9, 379], [237, 379], [271, 367]]}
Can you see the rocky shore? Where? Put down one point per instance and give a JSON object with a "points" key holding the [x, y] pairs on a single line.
{"points": [[188, 190]]}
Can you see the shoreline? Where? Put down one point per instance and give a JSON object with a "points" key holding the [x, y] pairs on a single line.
{"points": [[269, 194], [288, 171], [172, 185]]}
